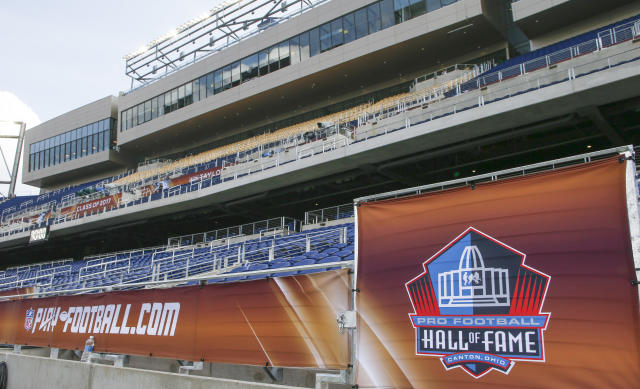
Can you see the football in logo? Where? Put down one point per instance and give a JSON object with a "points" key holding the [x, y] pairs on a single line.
{"points": [[28, 319], [477, 306]]}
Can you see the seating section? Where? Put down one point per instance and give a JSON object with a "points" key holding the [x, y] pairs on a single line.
{"points": [[249, 150], [138, 267], [588, 42]]}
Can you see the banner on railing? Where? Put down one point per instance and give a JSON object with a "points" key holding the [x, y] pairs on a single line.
{"points": [[197, 176], [284, 321], [97, 205], [525, 281]]}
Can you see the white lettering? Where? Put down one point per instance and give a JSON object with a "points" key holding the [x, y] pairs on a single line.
{"points": [[140, 329]]}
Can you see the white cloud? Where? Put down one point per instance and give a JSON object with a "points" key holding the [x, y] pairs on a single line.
{"points": [[12, 109]]}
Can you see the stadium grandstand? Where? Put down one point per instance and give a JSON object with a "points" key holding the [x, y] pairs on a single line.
{"points": [[246, 135]]}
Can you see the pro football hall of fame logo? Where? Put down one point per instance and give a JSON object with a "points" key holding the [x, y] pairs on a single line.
{"points": [[477, 306]]}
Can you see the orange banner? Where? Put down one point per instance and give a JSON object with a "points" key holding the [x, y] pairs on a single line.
{"points": [[524, 282], [285, 321], [198, 176], [97, 205]]}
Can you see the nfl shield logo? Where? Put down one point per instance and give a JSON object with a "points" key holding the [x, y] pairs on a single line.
{"points": [[28, 320]]}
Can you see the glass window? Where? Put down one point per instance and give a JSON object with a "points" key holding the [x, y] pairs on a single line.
{"points": [[336, 33], [89, 144], [123, 121], [274, 59], [362, 27], [56, 156], [147, 111], [154, 108], [418, 7], [140, 113], [387, 14], [235, 74], [196, 90], [373, 16], [264, 63], [294, 47], [188, 94], [211, 83], [100, 142], [84, 146], [252, 68], [95, 142], [130, 118], [325, 37], [285, 56], [181, 94], [67, 152], [174, 99], [74, 149], [245, 69], [105, 140], [217, 81], [401, 10], [101, 123], [447, 2], [304, 46], [433, 5], [314, 42], [349, 27], [167, 102], [226, 77], [203, 87]]}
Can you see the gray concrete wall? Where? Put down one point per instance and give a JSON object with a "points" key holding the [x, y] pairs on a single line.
{"points": [[602, 19], [417, 27], [526, 8], [28, 371]]}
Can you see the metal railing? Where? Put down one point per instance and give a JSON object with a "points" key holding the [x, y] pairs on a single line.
{"points": [[223, 259], [233, 232], [198, 279], [328, 214], [181, 262], [604, 39]]}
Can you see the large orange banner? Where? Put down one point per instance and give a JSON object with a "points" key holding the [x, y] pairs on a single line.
{"points": [[97, 205], [285, 321], [523, 282]]}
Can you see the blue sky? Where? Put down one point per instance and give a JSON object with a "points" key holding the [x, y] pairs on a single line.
{"points": [[60, 55]]}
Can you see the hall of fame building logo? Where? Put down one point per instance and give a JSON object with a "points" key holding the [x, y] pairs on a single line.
{"points": [[477, 306]]}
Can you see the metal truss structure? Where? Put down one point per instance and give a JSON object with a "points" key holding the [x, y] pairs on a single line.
{"points": [[228, 23], [13, 174]]}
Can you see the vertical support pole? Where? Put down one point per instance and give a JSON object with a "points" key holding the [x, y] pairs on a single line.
{"points": [[16, 160]]}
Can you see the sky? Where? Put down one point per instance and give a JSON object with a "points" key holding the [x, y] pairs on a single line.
{"points": [[60, 55]]}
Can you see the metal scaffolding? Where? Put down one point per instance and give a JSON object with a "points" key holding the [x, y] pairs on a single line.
{"points": [[228, 23]]}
